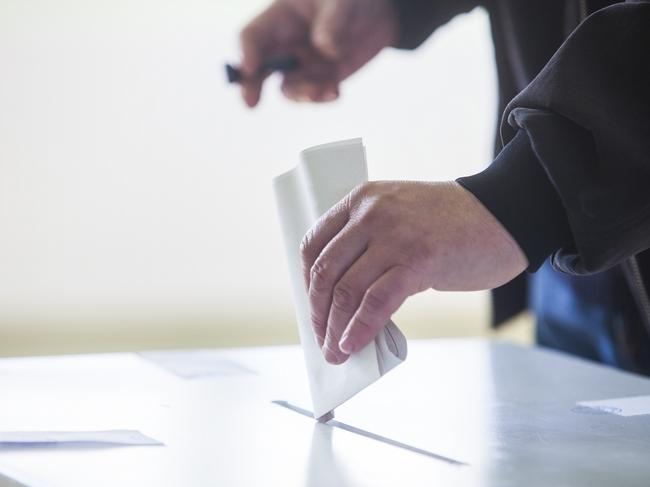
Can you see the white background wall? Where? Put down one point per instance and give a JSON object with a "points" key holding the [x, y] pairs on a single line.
{"points": [[134, 182]]}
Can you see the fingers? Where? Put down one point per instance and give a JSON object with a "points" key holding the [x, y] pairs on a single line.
{"points": [[316, 80], [329, 25], [337, 256], [251, 90], [380, 301], [282, 31], [318, 236], [347, 296], [252, 40], [301, 89], [273, 32]]}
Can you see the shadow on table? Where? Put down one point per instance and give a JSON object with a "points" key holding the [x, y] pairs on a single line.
{"points": [[323, 470]]}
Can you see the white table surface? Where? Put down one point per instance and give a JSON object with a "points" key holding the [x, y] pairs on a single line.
{"points": [[507, 412]]}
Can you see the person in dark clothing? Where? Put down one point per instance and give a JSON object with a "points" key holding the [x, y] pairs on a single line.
{"points": [[570, 181]]}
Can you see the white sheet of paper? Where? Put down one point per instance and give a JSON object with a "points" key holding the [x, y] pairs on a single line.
{"points": [[622, 406], [195, 364], [115, 437], [324, 175]]}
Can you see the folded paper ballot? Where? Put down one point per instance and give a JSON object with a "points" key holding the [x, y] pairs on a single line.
{"points": [[325, 174], [113, 437]]}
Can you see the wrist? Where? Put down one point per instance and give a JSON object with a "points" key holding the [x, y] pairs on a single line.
{"points": [[494, 235], [520, 195]]}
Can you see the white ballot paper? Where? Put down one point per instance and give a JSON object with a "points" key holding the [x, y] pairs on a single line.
{"points": [[325, 174], [622, 406], [113, 437], [195, 364]]}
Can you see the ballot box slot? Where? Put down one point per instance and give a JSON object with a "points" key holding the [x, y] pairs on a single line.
{"points": [[373, 436]]}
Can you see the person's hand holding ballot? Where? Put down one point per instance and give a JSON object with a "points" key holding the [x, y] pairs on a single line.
{"points": [[565, 197], [386, 241]]}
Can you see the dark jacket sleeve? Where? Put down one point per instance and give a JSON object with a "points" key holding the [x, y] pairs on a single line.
{"points": [[586, 121], [417, 19]]}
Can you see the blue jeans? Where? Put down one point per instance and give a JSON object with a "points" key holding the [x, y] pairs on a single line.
{"points": [[593, 317]]}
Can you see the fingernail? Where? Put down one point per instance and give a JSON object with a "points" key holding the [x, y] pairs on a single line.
{"points": [[346, 344]]}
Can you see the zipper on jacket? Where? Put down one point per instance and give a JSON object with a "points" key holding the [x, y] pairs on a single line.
{"points": [[632, 273]]}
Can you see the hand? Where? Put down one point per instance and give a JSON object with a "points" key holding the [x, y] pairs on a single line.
{"points": [[386, 241], [330, 38]]}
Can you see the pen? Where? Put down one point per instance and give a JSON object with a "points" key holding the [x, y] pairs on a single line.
{"points": [[282, 64]]}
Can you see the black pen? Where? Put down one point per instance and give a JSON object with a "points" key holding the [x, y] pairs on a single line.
{"points": [[282, 64]]}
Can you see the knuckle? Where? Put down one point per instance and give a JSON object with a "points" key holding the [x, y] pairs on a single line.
{"points": [[317, 321], [371, 205], [361, 190], [387, 207], [381, 208], [320, 277], [343, 297], [306, 244], [364, 327], [375, 301], [359, 194]]}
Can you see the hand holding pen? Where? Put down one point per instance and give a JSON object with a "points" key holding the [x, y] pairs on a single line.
{"points": [[314, 44]]}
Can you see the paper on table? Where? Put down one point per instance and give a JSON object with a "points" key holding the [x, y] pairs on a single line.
{"points": [[195, 364], [325, 174], [115, 437], [622, 406]]}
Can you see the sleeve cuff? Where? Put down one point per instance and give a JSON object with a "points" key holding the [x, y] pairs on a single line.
{"points": [[417, 19], [518, 192], [414, 22]]}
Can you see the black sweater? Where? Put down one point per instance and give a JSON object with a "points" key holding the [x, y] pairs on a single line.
{"points": [[573, 180]]}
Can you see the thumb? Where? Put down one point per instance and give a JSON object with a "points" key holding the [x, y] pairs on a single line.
{"points": [[328, 29]]}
